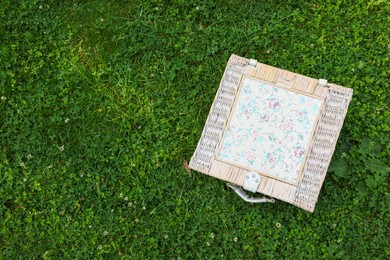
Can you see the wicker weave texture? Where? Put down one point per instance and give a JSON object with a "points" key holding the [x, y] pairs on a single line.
{"points": [[219, 113]]}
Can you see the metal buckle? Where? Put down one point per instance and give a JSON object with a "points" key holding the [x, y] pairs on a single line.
{"points": [[252, 181]]}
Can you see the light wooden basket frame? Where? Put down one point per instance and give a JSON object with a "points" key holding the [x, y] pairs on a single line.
{"points": [[336, 101]]}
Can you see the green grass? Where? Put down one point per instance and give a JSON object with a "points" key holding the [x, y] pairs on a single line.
{"points": [[102, 101]]}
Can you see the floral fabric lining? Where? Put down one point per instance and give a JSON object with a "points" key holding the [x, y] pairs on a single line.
{"points": [[269, 130]]}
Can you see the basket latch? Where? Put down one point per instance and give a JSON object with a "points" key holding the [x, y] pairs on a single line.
{"points": [[252, 181]]}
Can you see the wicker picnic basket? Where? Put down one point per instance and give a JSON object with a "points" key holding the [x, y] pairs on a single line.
{"points": [[271, 131]]}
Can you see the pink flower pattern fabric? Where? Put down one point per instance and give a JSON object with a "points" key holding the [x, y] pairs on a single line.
{"points": [[269, 130]]}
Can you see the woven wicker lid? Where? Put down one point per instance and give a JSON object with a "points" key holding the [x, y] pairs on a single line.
{"points": [[229, 145]]}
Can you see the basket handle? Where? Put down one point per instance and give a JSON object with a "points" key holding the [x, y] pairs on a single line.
{"points": [[246, 197]]}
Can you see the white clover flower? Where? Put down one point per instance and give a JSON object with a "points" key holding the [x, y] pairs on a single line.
{"points": [[61, 148], [197, 8], [208, 244], [278, 225], [100, 247], [3, 98], [156, 8], [166, 236], [136, 220], [235, 239], [105, 233], [81, 174], [40, 7], [130, 204], [144, 208], [101, 20], [212, 235], [67, 120], [29, 156], [126, 198]]}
